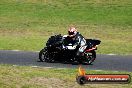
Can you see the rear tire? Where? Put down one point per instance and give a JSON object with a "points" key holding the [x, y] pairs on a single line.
{"points": [[89, 57]]}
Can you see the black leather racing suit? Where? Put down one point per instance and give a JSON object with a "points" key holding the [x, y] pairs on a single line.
{"points": [[80, 41]]}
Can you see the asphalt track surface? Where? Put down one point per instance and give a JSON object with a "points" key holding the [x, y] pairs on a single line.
{"points": [[102, 62]]}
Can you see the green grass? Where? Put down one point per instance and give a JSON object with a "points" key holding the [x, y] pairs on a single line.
{"points": [[29, 77], [25, 14], [27, 24]]}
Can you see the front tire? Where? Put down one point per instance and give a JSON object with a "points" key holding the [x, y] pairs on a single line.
{"points": [[43, 55]]}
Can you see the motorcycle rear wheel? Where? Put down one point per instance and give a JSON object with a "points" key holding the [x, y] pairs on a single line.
{"points": [[89, 57]]}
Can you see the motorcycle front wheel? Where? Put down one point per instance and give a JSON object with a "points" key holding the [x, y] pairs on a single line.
{"points": [[45, 56]]}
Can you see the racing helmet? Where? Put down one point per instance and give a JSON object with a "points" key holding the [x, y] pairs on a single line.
{"points": [[72, 31]]}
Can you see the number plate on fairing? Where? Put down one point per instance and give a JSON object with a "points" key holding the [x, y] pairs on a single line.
{"points": [[71, 47]]}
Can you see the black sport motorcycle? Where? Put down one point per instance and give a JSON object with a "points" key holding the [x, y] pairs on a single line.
{"points": [[61, 49]]}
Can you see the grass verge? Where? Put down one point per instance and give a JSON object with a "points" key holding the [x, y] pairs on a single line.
{"points": [[27, 24], [29, 77]]}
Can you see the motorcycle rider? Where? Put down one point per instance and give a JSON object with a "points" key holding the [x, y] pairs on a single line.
{"points": [[78, 39]]}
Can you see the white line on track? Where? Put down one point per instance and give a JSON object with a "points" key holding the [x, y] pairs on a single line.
{"points": [[111, 54], [60, 68], [16, 50], [21, 50], [36, 51], [46, 67]]}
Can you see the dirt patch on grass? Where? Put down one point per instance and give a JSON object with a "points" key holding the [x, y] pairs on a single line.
{"points": [[47, 82], [54, 83]]}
